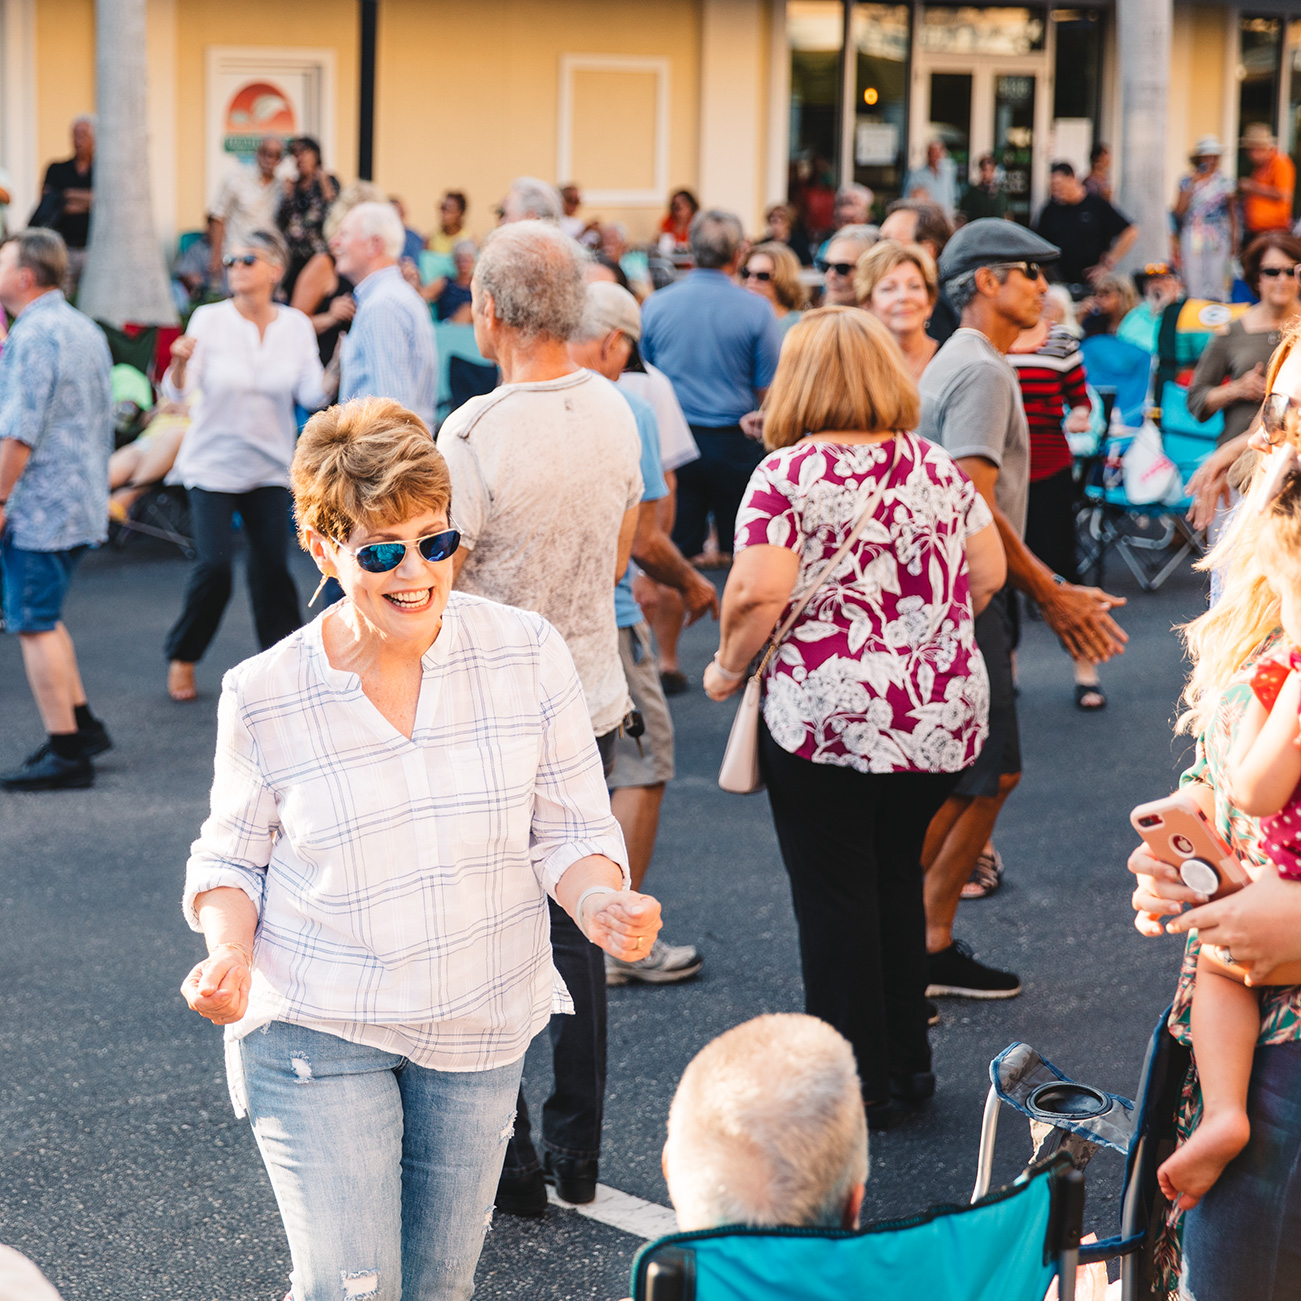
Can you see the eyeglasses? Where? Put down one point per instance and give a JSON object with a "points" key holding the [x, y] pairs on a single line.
{"points": [[381, 557], [762, 276], [1271, 273], [1278, 412], [239, 259], [1031, 270], [840, 268]]}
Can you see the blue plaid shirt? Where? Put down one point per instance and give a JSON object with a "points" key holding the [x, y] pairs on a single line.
{"points": [[56, 396], [389, 350]]}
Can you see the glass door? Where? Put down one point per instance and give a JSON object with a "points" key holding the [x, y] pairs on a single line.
{"points": [[1014, 117], [949, 119]]}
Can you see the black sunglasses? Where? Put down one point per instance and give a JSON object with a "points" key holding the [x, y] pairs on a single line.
{"points": [[381, 557], [1031, 270], [840, 268], [1276, 413], [763, 276], [1271, 273], [239, 259]]}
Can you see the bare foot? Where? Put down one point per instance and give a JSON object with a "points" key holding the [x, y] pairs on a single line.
{"points": [[1188, 1175], [180, 681]]}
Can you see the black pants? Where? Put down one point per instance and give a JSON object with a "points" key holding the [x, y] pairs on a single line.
{"points": [[852, 845], [1050, 523], [713, 485], [573, 1114], [265, 512]]}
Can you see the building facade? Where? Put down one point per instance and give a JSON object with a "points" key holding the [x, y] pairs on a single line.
{"points": [[742, 101]]}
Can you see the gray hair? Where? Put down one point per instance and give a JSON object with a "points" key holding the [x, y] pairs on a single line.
{"points": [[380, 221], [529, 197], [855, 191], [715, 236], [272, 244], [534, 275], [465, 245], [43, 253], [862, 234], [962, 291], [767, 1128]]}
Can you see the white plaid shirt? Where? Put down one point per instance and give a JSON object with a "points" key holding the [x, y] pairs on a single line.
{"points": [[401, 885]]}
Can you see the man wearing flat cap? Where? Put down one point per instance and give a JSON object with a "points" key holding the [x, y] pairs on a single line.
{"points": [[992, 271]]}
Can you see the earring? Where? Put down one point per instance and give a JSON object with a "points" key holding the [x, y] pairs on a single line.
{"points": [[320, 587]]}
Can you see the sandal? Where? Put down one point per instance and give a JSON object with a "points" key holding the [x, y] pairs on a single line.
{"points": [[1083, 689], [986, 876]]}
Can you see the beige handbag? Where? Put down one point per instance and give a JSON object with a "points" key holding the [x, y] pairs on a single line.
{"points": [[739, 771]]}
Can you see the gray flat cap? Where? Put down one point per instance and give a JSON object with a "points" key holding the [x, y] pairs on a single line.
{"points": [[988, 240]]}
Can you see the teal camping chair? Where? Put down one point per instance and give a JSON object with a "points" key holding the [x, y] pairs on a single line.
{"points": [[1005, 1247]]}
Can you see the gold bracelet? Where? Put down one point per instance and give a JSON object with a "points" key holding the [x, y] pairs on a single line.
{"points": [[242, 949]]}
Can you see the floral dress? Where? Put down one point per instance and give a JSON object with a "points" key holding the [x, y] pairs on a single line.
{"points": [[881, 673], [1206, 236]]}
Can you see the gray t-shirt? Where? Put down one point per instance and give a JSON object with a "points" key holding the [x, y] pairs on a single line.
{"points": [[542, 474], [971, 406]]}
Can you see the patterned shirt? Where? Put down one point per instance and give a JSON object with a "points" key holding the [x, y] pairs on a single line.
{"points": [[1052, 379], [881, 671], [401, 884], [389, 350], [55, 396]]}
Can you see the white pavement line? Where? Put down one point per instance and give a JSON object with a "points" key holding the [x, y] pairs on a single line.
{"points": [[623, 1211]]}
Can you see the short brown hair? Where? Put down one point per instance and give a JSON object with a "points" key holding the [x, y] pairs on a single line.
{"points": [[1254, 254], [43, 253], [786, 285], [932, 225], [840, 368], [369, 461], [883, 257]]}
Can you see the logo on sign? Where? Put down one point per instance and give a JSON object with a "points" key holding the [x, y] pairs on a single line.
{"points": [[255, 110]]}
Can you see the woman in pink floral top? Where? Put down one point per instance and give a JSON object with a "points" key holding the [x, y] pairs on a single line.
{"points": [[878, 698]]}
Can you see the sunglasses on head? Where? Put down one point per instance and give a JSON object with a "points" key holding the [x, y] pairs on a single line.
{"points": [[381, 557], [1278, 413], [1031, 270], [840, 268], [1271, 273], [763, 276]]}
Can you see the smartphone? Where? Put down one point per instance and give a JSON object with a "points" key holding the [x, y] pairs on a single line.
{"points": [[1178, 832]]}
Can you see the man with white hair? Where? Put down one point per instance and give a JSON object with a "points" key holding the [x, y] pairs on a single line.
{"points": [[546, 491], [767, 1129], [530, 199], [389, 350]]}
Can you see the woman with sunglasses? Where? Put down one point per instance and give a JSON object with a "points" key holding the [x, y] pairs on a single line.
{"points": [[400, 786], [1230, 376], [241, 365], [772, 271]]}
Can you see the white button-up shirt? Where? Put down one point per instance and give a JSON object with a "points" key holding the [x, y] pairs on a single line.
{"points": [[401, 884]]}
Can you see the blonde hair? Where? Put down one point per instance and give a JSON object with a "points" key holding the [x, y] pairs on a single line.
{"points": [[767, 1128], [1123, 285], [1221, 641], [883, 257], [369, 461], [786, 285], [840, 368]]}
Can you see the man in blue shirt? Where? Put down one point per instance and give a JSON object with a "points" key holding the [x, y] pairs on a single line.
{"points": [[56, 434], [642, 765], [719, 345], [389, 350]]}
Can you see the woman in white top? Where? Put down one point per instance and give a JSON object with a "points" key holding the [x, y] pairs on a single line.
{"points": [[399, 787], [242, 365]]}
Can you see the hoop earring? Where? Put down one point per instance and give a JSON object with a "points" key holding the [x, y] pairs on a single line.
{"points": [[320, 587]]}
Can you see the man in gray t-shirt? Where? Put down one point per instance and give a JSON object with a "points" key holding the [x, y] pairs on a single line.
{"points": [[971, 405]]}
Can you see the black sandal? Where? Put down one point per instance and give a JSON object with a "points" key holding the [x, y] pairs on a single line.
{"points": [[1083, 689]]}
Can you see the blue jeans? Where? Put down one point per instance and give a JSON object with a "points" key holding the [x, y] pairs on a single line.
{"points": [[1243, 1239], [384, 1171]]}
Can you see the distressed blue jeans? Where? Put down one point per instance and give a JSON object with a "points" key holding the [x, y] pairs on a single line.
{"points": [[384, 1171]]}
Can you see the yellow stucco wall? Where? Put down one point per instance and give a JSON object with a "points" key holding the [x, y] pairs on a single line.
{"points": [[468, 96], [65, 73]]}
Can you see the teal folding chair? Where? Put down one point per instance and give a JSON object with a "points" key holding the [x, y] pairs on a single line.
{"points": [[1005, 1247]]}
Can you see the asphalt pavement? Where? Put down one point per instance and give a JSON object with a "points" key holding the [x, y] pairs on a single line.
{"points": [[123, 1171]]}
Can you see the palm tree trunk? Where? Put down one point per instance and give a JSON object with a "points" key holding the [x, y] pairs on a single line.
{"points": [[125, 277]]}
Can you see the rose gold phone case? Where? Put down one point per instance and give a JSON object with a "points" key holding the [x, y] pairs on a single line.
{"points": [[1181, 832]]}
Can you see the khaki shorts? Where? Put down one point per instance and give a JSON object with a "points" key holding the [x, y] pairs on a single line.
{"points": [[653, 763]]}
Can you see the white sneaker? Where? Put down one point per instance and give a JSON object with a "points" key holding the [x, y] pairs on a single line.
{"points": [[663, 965]]}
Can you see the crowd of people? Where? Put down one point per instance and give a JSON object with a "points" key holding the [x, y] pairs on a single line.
{"points": [[399, 896]]}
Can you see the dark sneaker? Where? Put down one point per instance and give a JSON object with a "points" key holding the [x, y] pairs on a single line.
{"points": [[955, 973], [44, 770], [522, 1194], [663, 965], [94, 739], [573, 1177], [674, 683]]}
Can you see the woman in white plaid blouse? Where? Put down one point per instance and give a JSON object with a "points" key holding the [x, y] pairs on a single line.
{"points": [[399, 786]]}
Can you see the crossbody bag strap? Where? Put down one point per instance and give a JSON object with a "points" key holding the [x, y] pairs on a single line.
{"points": [[866, 512]]}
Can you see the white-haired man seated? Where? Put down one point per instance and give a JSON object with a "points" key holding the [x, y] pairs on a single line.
{"points": [[767, 1130], [389, 350]]}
